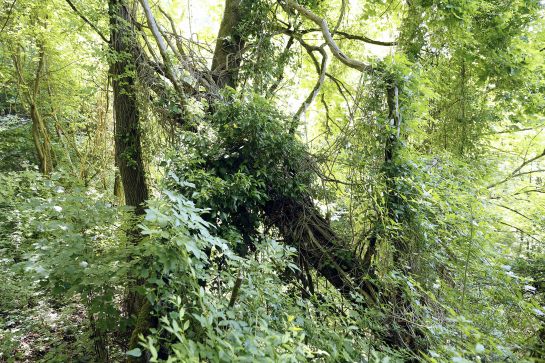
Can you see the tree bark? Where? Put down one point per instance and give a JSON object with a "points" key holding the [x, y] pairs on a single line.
{"points": [[227, 54], [128, 150], [40, 133], [303, 227]]}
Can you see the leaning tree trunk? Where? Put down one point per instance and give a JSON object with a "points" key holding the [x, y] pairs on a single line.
{"points": [[297, 218], [303, 227]]}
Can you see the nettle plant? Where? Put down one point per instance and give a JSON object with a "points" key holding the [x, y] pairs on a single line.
{"points": [[214, 305], [211, 303], [70, 242]]}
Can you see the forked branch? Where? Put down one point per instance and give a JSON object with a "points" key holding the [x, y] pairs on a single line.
{"points": [[291, 5]]}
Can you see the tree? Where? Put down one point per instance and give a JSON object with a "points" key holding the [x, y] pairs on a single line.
{"points": [[30, 90], [317, 193], [127, 130]]}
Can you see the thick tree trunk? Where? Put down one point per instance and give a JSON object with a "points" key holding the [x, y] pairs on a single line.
{"points": [[227, 55], [128, 151]]}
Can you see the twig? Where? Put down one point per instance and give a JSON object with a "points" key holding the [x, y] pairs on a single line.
{"points": [[361, 38], [87, 21], [514, 211], [520, 230], [10, 11], [516, 173]]}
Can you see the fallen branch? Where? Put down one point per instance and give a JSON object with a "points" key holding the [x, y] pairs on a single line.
{"points": [[169, 73]]}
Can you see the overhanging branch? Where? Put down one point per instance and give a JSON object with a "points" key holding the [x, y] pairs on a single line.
{"points": [[361, 38], [69, 2], [291, 5], [515, 173], [321, 69]]}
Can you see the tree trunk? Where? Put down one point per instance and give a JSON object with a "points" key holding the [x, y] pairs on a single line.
{"points": [[400, 333], [40, 133], [128, 151], [42, 142], [392, 197], [227, 55]]}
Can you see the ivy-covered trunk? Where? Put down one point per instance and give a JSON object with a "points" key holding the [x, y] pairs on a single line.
{"points": [[128, 151], [296, 217], [303, 227]]}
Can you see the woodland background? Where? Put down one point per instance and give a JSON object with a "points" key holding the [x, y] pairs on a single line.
{"points": [[272, 181]]}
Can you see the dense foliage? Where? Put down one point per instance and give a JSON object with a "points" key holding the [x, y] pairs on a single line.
{"points": [[328, 181]]}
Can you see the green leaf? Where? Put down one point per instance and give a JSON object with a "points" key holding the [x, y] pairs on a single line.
{"points": [[136, 352]]}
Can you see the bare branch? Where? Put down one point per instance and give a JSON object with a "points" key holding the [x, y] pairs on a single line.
{"points": [[321, 69], [510, 131], [87, 21], [349, 36], [280, 76], [520, 230], [527, 191], [514, 211], [365, 39], [173, 27], [169, 73], [171, 46], [10, 11], [341, 16], [517, 172], [203, 77], [352, 63], [317, 87]]}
